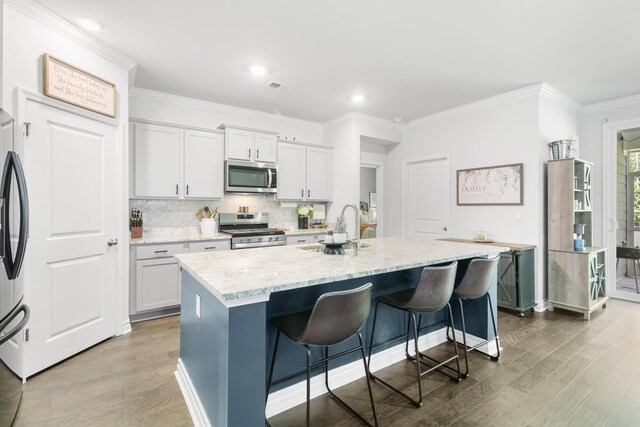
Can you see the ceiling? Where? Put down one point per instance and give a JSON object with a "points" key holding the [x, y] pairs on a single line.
{"points": [[409, 58]]}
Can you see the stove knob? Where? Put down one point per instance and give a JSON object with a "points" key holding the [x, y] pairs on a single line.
{"points": [[270, 239], [259, 239]]}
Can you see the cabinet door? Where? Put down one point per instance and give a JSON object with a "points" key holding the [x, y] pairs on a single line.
{"points": [[239, 144], [319, 173], [156, 161], [266, 148], [291, 171], [157, 284], [203, 165]]}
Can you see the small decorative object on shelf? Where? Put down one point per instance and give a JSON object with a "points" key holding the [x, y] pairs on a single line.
{"points": [[135, 224], [340, 230], [304, 213]]}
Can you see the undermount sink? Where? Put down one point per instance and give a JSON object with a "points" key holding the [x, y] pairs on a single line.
{"points": [[319, 248]]}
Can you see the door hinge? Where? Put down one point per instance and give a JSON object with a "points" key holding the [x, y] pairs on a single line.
{"points": [[27, 128], [26, 335]]}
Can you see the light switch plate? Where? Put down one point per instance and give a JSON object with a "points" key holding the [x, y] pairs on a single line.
{"points": [[198, 305]]}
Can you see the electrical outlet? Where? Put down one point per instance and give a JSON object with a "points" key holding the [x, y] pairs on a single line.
{"points": [[518, 216], [198, 305]]}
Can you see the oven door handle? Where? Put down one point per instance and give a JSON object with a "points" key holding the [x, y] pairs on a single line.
{"points": [[257, 245], [270, 179]]}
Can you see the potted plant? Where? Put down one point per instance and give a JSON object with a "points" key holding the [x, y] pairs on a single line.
{"points": [[304, 213], [340, 230]]}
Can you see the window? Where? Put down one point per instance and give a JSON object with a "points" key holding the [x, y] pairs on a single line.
{"points": [[633, 174]]}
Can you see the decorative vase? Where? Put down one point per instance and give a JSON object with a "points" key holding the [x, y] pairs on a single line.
{"points": [[303, 222]]}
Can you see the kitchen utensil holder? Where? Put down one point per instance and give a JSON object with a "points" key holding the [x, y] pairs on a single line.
{"points": [[208, 226], [136, 232]]}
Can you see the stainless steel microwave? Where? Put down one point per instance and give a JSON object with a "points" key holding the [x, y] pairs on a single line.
{"points": [[250, 177]]}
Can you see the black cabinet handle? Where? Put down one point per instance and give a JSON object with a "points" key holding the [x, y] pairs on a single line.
{"points": [[187, 189], [176, 189], [308, 193], [209, 248], [162, 252], [302, 193]]}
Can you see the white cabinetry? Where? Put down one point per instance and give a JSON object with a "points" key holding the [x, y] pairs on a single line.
{"points": [[304, 172], [250, 145], [155, 286], [157, 276], [171, 162]]}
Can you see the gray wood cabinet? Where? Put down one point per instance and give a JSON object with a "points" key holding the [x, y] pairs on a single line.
{"points": [[576, 277]]}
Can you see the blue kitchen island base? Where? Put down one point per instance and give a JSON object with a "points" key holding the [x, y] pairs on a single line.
{"points": [[225, 348]]}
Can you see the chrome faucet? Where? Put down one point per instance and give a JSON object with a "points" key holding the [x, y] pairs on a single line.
{"points": [[356, 241]]}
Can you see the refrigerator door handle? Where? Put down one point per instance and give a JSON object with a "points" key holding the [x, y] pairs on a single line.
{"points": [[12, 164], [20, 308]]}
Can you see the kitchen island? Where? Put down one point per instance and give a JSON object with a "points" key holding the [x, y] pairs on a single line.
{"points": [[228, 298]]}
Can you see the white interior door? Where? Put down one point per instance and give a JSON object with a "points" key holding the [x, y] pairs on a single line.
{"points": [[427, 197], [70, 280]]}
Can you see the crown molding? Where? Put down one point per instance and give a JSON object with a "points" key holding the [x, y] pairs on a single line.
{"points": [[152, 95], [560, 98], [611, 104], [525, 92], [48, 18]]}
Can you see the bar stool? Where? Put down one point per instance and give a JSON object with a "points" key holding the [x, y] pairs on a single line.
{"points": [[431, 294], [335, 317], [475, 284]]}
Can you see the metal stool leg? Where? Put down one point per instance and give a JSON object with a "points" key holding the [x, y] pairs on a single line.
{"points": [[415, 344], [454, 341], [495, 329], [464, 341], [373, 328], [270, 378], [308, 384]]}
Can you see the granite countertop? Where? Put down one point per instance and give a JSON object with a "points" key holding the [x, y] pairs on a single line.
{"points": [[249, 276], [513, 246], [174, 235], [192, 234]]}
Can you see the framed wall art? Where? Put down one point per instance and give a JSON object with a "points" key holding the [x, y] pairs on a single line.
{"points": [[67, 83], [491, 185]]}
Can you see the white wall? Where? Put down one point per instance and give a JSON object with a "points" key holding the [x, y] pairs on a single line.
{"points": [[500, 130], [168, 108]]}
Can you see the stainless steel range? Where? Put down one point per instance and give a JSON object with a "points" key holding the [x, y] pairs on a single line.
{"points": [[250, 230]]}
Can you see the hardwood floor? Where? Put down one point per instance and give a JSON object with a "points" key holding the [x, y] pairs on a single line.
{"points": [[556, 369]]}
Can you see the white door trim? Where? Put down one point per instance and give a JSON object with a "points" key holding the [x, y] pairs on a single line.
{"points": [[379, 167], [405, 185], [608, 235], [23, 96]]}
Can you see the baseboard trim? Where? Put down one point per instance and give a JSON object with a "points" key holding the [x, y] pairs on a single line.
{"points": [[196, 410]]}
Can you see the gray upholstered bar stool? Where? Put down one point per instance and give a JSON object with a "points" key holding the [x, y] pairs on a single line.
{"points": [[335, 317], [431, 294], [475, 284]]}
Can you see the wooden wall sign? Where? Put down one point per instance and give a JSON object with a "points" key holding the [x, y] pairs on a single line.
{"points": [[75, 86], [493, 185]]}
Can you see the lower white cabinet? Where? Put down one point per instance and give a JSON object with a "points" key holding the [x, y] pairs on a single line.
{"points": [[157, 283], [155, 279]]}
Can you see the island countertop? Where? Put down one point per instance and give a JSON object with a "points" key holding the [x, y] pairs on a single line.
{"points": [[240, 277]]}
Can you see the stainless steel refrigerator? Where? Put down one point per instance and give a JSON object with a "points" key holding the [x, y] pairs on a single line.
{"points": [[14, 222]]}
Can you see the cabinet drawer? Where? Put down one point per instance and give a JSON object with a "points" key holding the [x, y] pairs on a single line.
{"points": [[159, 251], [216, 245], [297, 240]]}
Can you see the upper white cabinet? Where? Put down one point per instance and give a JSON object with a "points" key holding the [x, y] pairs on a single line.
{"points": [[157, 171], [304, 172], [250, 145], [170, 162], [203, 164]]}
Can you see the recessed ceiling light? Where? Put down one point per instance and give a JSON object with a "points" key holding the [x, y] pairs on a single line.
{"points": [[258, 70], [89, 24], [358, 98]]}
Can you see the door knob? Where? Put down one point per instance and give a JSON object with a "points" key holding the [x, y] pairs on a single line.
{"points": [[444, 228], [112, 242]]}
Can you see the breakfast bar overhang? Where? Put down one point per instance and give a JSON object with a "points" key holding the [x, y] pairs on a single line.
{"points": [[227, 299]]}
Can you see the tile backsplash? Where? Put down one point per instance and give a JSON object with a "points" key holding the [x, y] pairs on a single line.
{"points": [[182, 213]]}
